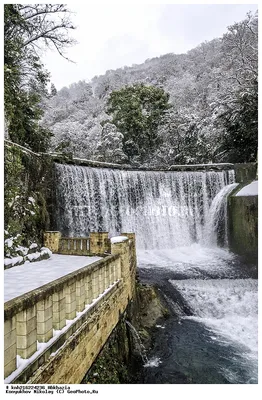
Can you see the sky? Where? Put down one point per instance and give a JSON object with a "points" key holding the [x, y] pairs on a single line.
{"points": [[111, 36]]}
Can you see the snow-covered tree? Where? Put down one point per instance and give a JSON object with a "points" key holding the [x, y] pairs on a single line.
{"points": [[110, 147], [212, 90]]}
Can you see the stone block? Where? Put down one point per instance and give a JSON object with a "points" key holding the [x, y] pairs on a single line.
{"points": [[10, 367], [28, 352], [10, 354], [59, 319], [52, 240], [59, 305], [10, 339], [80, 295], [88, 290], [58, 295], [25, 328], [43, 327], [26, 315], [59, 315], [98, 242], [9, 325], [44, 304], [44, 315], [45, 337], [26, 341]]}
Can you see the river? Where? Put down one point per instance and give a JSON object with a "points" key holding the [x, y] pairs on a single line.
{"points": [[211, 334]]}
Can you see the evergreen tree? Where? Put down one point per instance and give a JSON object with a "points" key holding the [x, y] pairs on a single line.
{"points": [[53, 90], [137, 111], [240, 120], [25, 79]]}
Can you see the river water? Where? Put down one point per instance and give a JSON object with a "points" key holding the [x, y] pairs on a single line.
{"points": [[211, 335], [180, 222]]}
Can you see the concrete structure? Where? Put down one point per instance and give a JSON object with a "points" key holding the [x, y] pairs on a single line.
{"points": [[72, 316], [243, 224], [96, 244]]}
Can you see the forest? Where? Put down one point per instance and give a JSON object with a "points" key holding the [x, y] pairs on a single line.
{"points": [[198, 107]]}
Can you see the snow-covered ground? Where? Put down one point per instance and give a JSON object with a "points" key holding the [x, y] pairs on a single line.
{"points": [[249, 190], [24, 278]]}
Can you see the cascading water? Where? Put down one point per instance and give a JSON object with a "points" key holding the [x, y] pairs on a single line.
{"points": [[178, 218], [139, 344], [218, 218], [164, 209]]}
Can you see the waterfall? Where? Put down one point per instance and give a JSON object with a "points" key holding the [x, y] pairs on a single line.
{"points": [[164, 209], [138, 342], [217, 221]]}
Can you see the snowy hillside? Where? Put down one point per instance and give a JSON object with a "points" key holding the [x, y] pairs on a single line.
{"points": [[209, 87]]}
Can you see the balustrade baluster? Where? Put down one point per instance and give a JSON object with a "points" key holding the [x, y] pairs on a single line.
{"points": [[59, 313], [89, 289], [44, 310], [80, 294], [26, 332], [70, 292], [10, 346]]}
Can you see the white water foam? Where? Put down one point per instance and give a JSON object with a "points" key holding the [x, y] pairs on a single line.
{"points": [[153, 362], [188, 260], [228, 307]]}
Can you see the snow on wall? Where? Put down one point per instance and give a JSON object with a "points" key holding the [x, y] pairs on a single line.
{"points": [[249, 190], [118, 239]]}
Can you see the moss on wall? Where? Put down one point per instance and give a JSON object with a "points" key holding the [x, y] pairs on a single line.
{"points": [[111, 365], [243, 225], [119, 361], [245, 172]]}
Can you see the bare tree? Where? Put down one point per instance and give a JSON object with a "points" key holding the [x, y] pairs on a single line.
{"points": [[42, 24]]}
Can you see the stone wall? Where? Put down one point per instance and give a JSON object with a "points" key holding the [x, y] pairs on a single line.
{"points": [[243, 226], [246, 172]]}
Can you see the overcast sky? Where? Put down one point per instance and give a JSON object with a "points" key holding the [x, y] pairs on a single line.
{"points": [[112, 36]]}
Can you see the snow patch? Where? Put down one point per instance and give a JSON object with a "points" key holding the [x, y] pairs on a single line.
{"points": [[31, 200], [249, 190], [33, 256], [9, 242], [118, 239], [13, 261]]}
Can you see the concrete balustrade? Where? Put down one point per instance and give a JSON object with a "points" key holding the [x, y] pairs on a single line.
{"points": [[44, 309], [97, 244], [80, 295], [74, 246], [70, 295], [26, 332], [33, 316], [52, 240], [10, 345], [89, 289], [59, 309]]}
